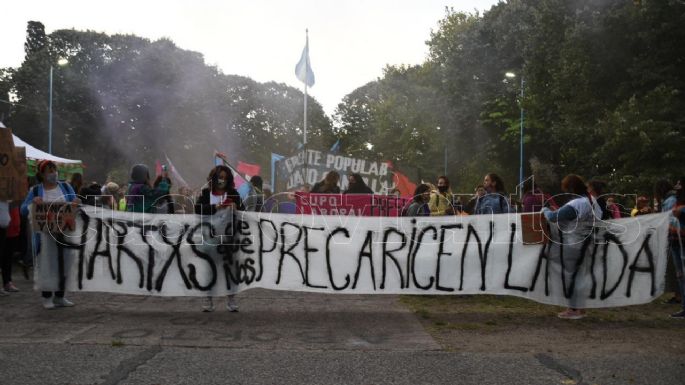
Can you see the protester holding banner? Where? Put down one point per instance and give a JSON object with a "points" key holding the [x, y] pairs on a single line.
{"points": [[665, 195], [219, 194], [441, 202], [419, 205], [575, 220], [50, 190], [495, 200], [356, 185], [141, 197], [329, 184]]}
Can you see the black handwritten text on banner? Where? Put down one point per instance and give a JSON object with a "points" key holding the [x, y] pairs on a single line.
{"points": [[619, 263]]}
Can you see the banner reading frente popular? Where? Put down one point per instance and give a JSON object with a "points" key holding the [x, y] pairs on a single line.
{"points": [[315, 164]]}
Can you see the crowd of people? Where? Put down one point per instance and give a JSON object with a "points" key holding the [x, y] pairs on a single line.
{"points": [[580, 202]]}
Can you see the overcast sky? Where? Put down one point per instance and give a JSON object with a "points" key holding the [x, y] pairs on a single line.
{"points": [[350, 40]]}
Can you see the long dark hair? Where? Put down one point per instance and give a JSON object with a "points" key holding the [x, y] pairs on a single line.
{"points": [[420, 189], [359, 186], [499, 184], [214, 178]]}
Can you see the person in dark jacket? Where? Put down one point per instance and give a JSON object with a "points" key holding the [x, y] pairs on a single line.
{"points": [[90, 193], [255, 198], [357, 185], [419, 204], [219, 195], [329, 184], [140, 197]]}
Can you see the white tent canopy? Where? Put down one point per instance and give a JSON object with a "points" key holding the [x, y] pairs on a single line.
{"points": [[34, 153]]}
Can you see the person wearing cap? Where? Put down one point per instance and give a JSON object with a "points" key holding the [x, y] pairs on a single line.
{"points": [[141, 196], [50, 190]]}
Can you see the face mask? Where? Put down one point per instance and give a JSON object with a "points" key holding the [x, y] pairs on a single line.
{"points": [[443, 189], [221, 183], [51, 178]]}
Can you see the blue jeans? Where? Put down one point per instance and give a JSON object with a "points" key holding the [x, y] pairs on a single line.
{"points": [[677, 258]]}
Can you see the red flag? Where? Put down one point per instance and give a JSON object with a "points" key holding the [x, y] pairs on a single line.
{"points": [[403, 184], [248, 169]]}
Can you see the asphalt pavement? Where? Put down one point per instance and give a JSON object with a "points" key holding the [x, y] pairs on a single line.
{"points": [[275, 338]]}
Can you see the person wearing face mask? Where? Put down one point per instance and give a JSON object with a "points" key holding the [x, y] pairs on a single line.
{"points": [[357, 185], [49, 190], [219, 194], [442, 202]]}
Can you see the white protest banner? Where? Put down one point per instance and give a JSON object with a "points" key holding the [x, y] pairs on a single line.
{"points": [[616, 263]]}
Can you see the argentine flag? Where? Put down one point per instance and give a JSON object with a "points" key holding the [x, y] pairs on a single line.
{"points": [[303, 69]]}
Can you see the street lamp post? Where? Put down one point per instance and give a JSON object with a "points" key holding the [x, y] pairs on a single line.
{"points": [[512, 75], [61, 62], [445, 153]]}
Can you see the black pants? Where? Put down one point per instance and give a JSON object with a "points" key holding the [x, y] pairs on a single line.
{"points": [[3, 242], [48, 294], [9, 245]]}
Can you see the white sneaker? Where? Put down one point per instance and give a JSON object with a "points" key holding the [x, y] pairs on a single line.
{"points": [[62, 302], [48, 304], [3, 293], [208, 305], [231, 304]]}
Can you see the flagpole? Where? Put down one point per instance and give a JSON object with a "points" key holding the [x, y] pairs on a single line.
{"points": [[306, 31]]}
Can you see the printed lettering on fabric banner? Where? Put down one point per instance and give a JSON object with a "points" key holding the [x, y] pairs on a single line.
{"points": [[615, 263], [292, 170], [350, 204], [53, 217]]}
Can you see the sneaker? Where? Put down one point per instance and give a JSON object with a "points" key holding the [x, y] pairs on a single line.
{"points": [[679, 315], [48, 304], [10, 288], [231, 304], [3, 293], [62, 302], [208, 305], [571, 314]]}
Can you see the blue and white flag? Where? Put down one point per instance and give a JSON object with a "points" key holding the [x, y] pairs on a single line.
{"points": [[335, 147], [303, 69]]}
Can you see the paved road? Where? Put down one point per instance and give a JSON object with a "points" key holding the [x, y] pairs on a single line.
{"points": [[276, 338]]}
